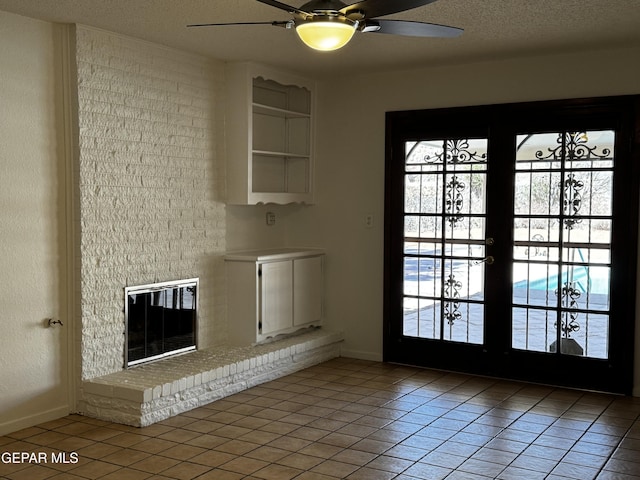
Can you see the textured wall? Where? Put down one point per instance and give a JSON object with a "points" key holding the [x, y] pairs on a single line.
{"points": [[151, 182]]}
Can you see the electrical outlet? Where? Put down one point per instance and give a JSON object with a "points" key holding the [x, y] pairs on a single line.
{"points": [[271, 218], [368, 220]]}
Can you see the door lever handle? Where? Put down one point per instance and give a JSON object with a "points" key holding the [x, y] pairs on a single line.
{"points": [[488, 260]]}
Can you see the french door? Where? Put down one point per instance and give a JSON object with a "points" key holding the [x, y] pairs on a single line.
{"points": [[511, 239]]}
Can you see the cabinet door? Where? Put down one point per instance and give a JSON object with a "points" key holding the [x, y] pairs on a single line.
{"points": [[307, 290], [276, 297]]}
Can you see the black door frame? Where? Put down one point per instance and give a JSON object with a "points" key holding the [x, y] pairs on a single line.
{"points": [[500, 123]]}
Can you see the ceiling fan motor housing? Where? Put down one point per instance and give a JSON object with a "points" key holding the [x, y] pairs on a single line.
{"points": [[323, 6]]}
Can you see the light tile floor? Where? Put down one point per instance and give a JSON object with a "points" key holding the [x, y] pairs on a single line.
{"points": [[356, 420]]}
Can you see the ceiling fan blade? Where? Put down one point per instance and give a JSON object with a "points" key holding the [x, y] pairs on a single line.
{"points": [[286, 8], [411, 29], [380, 8], [275, 24]]}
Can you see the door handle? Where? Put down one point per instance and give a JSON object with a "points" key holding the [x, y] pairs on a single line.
{"points": [[488, 260]]}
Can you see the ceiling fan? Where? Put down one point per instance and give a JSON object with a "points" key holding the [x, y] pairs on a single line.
{"points": [[330, 24]]}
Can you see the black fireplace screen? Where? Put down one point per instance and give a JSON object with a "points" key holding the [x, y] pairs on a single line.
{"points": [[160, 320]]}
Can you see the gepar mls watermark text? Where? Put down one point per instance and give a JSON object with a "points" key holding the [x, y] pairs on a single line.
{"points": [[39, 457]]}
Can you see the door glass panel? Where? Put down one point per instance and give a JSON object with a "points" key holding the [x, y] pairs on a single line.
{"points": [[444, 239], [562, 242], [537, 193], [533, 329]]}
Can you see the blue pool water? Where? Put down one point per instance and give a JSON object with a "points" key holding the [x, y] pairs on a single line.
{"points": [[594, 280]]}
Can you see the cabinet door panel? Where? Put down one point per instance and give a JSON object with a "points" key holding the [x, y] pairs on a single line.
{"points": [[307, 290], [276, 296]]}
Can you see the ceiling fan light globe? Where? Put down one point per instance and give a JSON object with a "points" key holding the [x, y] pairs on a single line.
{"points": [[325, 36]]}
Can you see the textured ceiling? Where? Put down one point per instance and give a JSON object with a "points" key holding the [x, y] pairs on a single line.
{"points": [[493, 29]]}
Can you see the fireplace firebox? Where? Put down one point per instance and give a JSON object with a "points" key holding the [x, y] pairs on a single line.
{"points": [[161, 320]]}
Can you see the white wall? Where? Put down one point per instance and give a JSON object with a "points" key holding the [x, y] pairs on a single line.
{"points": [[33, 377], [248, 229], [350, 160]]}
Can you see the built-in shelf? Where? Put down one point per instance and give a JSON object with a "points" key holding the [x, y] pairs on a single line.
{"points": [[278, 112], [268, 153], [269, 136]]}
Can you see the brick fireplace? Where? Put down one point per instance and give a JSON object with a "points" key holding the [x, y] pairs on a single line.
{"points": [[151, 184], [150, 208]]}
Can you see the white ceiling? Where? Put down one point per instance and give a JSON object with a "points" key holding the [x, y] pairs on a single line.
{"points": [[493, 29]]}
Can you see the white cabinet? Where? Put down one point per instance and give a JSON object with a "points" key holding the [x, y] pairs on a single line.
{"points": [[269, 130], [273, 292], [275, 307]]}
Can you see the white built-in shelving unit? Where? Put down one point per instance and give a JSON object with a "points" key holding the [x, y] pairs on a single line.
{"points": [[269, 135]]}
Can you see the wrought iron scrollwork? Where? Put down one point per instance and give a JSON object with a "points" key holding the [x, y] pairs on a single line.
{"points": [[456, 151], [569, 297], [571, 200], [573, 146], [454, 200], [452, 294]]}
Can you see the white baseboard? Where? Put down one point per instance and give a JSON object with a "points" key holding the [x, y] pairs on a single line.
{"points": [[31, 420], [360, 355]]}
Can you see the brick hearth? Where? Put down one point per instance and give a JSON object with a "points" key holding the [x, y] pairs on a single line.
{"points": [[153, 392]]}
